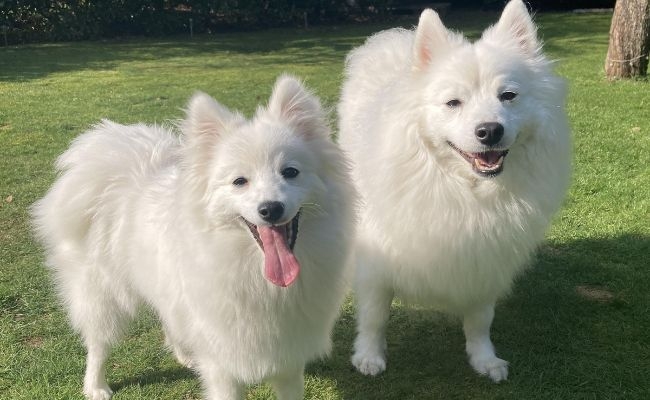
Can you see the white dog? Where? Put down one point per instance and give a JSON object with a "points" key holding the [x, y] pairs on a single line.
{"points": [[236, 234], [461, 155]]}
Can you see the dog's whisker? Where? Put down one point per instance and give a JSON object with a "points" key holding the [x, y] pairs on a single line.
{"points": [[313, 209]]}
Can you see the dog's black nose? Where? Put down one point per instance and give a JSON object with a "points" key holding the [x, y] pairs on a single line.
{"points": [[489, 133], [271, 211]]}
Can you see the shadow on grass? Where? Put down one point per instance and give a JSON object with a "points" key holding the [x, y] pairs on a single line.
{"points": [[321, 45], [566, 35], [581, 310], [575, 326], [153, 377]]}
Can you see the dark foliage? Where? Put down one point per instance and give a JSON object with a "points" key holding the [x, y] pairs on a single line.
{"points": [[42, 20]]}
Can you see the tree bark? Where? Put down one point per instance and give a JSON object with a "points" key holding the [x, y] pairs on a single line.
{"points": [[629, 40]]}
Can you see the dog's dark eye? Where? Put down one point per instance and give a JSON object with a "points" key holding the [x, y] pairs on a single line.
{"points": [[507, 96], [454, 103], [241, 181], [290, 172]]}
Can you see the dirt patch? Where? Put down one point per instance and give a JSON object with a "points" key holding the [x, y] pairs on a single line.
{"points": [[594, 293], [34, 342]]}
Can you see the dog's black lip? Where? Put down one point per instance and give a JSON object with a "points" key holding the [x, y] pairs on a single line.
{"points": [[253, 228], [470, 159], [294, 231]]}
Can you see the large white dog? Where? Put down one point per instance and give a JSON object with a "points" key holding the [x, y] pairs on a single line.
{"points": [[236, 233], [461, 154]]}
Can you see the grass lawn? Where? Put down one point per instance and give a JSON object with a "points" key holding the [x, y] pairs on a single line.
{"points": [[575, 327]]}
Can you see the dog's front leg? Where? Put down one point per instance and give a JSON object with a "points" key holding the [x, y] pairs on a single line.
{"points": [[476, 324], [218, 384], [95, 385], [373, 310]]}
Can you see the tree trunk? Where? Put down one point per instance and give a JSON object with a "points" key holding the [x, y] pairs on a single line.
{"points": [[629, 40]]}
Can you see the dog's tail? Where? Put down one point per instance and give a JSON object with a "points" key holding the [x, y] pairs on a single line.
{"points": [[101, 168]]}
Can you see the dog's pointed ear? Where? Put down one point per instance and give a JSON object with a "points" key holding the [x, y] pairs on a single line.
{"points": [[206, 121], [205, 117], [516, 23], [296, 105], [431, 35]]}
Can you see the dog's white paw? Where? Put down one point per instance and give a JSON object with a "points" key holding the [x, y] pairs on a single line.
{"points": [[369, 364], [495, 368], [98, 393]]}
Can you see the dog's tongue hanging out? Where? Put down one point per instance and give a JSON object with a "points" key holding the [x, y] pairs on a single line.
{"points": [[280, 265]]}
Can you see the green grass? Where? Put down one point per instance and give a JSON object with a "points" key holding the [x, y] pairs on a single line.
{"points": [[575, 327]]}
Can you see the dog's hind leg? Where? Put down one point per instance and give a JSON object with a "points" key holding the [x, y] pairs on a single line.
{"points": [[478, 345], [99, 310], [289, 385], [100, 332]]}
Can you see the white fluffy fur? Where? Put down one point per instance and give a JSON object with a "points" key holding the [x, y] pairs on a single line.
{"points": [[140, 215], [432, 230]]}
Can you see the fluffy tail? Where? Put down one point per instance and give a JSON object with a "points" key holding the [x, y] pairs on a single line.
{"points": [[102, 164]]}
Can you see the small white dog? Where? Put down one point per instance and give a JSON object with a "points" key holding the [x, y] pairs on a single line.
{"points": [[236, 233], [461, 154]]}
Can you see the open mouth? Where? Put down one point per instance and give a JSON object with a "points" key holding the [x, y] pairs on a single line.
{"points": [[289, 230], [485, 163], [277, 242]]}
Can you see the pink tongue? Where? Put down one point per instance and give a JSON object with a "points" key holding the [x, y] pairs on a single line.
{"points": [[280, 265]]}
